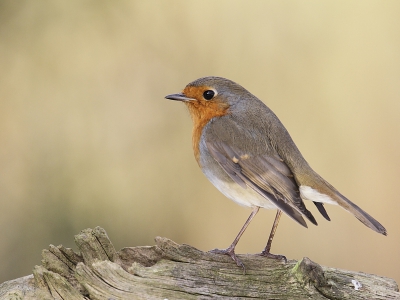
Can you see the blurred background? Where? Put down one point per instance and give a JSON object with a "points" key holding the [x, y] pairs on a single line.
{"points": [[87, 138]]}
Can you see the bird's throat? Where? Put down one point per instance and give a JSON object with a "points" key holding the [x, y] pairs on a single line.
{"points": [[201, 114]]}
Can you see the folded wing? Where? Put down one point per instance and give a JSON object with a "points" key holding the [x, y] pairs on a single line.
{"points": [[267, 174]]}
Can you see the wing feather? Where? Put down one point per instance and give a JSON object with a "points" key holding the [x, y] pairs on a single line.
{"points": [[267, 175]]}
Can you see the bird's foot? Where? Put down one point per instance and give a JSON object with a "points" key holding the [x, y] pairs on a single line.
{"points": [[274, 256], [231, 252]]}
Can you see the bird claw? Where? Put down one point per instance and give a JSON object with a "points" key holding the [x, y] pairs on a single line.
{"points": [[274, 256], [232, 254]]}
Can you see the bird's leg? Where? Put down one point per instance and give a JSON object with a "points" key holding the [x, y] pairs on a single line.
{"points": [[271, 236], [231, 249]]}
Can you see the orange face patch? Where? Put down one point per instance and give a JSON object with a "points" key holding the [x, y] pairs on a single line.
{"points": [[202, 111]]}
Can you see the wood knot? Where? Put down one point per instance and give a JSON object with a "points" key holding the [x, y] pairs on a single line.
{"points": [[311, 272]]}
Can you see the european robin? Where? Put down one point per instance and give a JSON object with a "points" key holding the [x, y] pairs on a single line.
{"points": [[245, 151]]}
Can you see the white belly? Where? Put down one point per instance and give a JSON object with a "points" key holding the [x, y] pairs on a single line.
{"points": [[245, 197]]}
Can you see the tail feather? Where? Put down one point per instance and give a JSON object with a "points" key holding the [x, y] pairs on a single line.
{"points": [[324, 188], [361, 215]]}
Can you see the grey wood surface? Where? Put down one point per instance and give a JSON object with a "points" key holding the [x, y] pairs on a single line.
{"points": [[172, 271]]}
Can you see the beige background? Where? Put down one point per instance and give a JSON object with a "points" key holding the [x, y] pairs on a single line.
{"points": [[87, 138]]}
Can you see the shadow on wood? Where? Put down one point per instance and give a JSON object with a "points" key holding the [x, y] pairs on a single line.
{"points": [[171, 271]]}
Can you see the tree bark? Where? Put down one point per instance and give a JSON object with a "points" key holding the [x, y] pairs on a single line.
{"points": [[171, 271]]}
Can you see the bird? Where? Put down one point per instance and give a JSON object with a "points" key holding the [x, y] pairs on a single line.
{"points": [[248, 155]]}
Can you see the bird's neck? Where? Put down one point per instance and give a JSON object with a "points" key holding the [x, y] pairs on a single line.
{"points": [[201, 114]]}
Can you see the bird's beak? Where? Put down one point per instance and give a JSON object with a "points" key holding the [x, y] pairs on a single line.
{"points": [[179, 97]]}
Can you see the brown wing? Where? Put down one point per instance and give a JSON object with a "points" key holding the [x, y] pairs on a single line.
{"points": [[268, 175]]}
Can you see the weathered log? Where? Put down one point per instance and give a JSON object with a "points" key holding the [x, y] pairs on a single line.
{"points": [[172, 271]]}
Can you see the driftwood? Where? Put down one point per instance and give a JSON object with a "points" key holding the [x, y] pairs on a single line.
{"points": [[171, 271]]}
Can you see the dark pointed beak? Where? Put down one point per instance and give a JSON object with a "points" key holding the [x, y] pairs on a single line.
{"points": [[178, 97]]}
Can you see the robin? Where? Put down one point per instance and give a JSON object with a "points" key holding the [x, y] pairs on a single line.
{"points": [[245, 151]]}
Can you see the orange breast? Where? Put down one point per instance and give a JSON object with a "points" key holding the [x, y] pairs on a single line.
{"points": [[202, 111]]}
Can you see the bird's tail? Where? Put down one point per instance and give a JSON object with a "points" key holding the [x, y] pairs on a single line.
{"points": [[360, 214], [352, 208]]}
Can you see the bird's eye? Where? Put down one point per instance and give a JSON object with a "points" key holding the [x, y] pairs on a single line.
{"points": [[208, 95]]}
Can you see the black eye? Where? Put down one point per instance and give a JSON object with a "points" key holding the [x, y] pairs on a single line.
{"points": [[208, 95]]}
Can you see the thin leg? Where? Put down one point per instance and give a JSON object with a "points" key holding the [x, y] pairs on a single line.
{"points": [[271, 236], [231, 249]]}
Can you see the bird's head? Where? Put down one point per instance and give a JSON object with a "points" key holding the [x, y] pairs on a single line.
{"points": [[210, 97]]}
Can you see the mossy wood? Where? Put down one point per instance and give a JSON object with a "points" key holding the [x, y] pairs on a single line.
{"points": [[171, 271]]}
